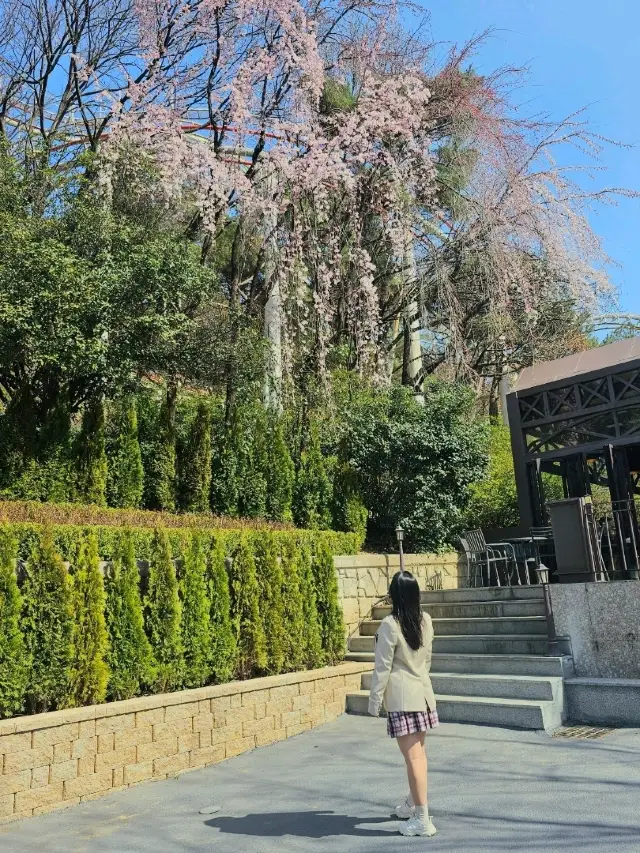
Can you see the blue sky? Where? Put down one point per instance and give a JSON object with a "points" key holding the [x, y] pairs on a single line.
{"points": [[581, 53]]}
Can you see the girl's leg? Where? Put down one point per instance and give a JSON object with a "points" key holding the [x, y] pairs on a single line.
{"points": [[412, 749]]}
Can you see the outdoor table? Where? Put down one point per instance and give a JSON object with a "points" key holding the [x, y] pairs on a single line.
{"points": [[524, 550]]}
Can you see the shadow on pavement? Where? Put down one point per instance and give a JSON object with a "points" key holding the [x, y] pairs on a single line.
{"points": [[321, 824]]}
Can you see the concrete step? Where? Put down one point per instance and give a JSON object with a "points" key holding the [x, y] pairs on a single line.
{"points": [[508, 713], [479, 594], [483, 625], [535, 665], [604, 701], [474, 609], [495, 686], [478, 644]]}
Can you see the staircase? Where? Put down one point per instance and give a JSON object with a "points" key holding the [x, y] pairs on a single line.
{"points": [[490, 663]]}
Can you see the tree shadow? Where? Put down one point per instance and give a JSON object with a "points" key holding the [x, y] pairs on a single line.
{"points": [[311, 824]]}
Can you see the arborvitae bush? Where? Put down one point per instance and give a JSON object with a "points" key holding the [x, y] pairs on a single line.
{"points": [[91, 456], [312, 503], [125, 481], [349, 512], [223, 642], [90, 674], [161, 476], [271, 582], [195, 464], [280, 473], [47, 625], [312, 637], [196, 628], [329, 611], [224, 481], [251, 452], [129, 656], [13, 661], [295, 626], [162, 615], [245, 613]]}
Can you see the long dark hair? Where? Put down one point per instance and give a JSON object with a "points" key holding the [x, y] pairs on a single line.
{"points": [[407, 610]]}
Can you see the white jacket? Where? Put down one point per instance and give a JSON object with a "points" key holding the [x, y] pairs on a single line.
{"points": [[401, 675]]}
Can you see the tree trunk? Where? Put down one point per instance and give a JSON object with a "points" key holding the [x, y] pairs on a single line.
{"points": [[412, 357], [273, 305]]}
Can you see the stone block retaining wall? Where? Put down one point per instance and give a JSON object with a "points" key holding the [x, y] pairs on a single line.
{"points": [[364, 579], [52, 761]]}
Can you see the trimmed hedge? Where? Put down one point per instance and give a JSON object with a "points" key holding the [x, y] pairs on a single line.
{"points": [[213, 605]]}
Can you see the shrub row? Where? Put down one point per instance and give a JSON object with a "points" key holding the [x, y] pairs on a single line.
{"points": [[209, 606]]}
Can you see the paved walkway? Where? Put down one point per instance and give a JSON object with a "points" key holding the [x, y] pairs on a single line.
{"points": [[331, 790]]}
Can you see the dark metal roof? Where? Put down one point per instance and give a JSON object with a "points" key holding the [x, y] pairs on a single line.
{"points": [[573, 366]]}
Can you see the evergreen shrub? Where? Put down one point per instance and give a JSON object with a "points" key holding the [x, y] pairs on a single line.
{"points": [[196, 607], [13, 661], [162, 616]]}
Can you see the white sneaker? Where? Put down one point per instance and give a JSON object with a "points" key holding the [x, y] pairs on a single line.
{"points": [[417, 827], [404, 811]]}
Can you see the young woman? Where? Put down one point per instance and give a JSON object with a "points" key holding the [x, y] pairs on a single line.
{"points": [[401, 680]]}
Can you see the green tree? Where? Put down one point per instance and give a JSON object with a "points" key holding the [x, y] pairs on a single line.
{"points": [[349, 511], [195, 465], [223, 643], [245, 613], [125, 481], [332, 628], [312, 503], [163, 615], [224, 484], [90, 674], [47, 625], [280, 473], [296, 610], [13, 661], [271, 582], [129, 655], [162, 474], [312, 636], [91, 456], [196, 607]]}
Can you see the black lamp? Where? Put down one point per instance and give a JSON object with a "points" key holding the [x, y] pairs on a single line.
{"points": [[542, 573]]}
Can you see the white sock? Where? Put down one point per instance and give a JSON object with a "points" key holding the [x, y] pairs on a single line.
{"points": [[422, 813]]}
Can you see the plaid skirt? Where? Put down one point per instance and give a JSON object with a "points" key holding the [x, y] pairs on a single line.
{"points": [[400, 723]]}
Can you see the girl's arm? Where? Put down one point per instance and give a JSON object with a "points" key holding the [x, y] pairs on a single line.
{"points": [[385, 648]]}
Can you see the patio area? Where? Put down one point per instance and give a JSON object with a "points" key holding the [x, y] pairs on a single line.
{"points": [[333, 789]]}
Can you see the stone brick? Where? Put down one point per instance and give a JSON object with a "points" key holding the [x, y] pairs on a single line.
{"points": [[14, 782], [162, 731], [204, 706], [91, 784], [292, 731], [205, 738], [106, 743], [307, 687], [290, 719], [207, 755], [203, 722], [240, 745], [16, 761], [236, 700], [62, 751], [157, 749], [15, 743], [117, 758], [56, 807], [301, 703], [133, 737], [226, 734], [282, 706], [83, 747], [6, 805], [323, 698], [135, 773], [266, 738], [117, 780], [40, 776], [38, 797], [48, 737], [285, 692], [334, 710], [314, 716], [149, 718], [180, 712], [258, 726], [86, 765], [105, 725], [171, 765], [223, 703], [65, 771], [188, 742], [86, 729], [241, 715], [255, 697]]}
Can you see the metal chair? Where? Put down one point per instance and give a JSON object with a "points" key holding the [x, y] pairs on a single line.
{"points": [[483, 557], [543, 548]]}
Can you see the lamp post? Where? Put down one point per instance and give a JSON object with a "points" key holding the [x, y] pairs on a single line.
{"points": [[400, 538], [542, 573]]}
